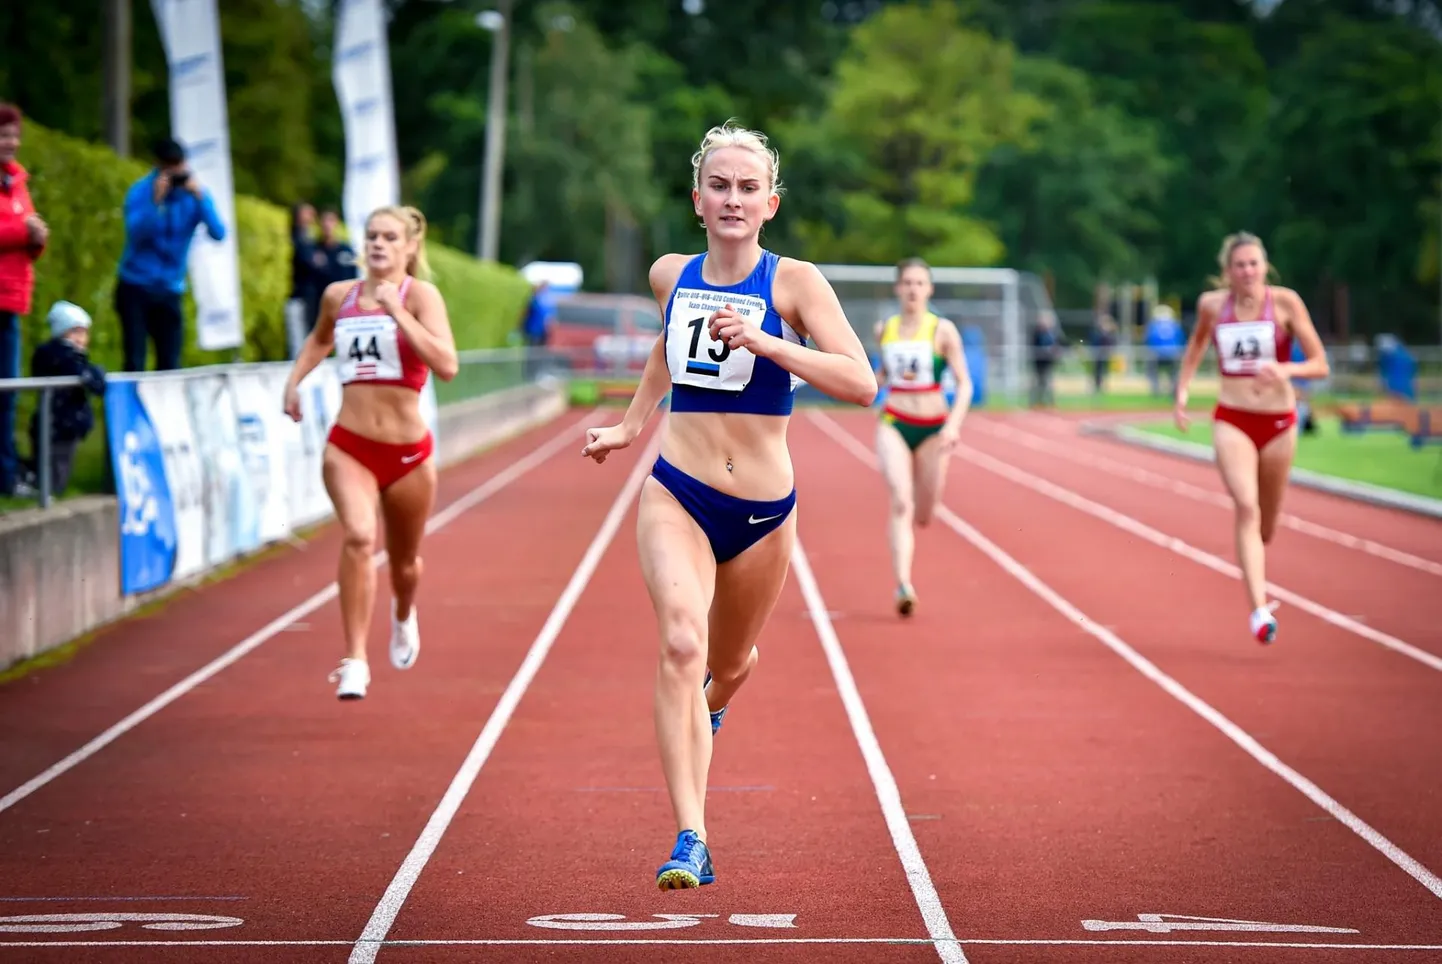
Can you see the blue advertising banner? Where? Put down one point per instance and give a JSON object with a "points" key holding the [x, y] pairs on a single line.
{"points": [[147, 513]]}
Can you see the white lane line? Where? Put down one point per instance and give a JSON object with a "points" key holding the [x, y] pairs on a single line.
{"points": [[642, 941], [1199, 494], [1188, 551], [447, 515], [1148, 669], [922, 889], [368, 945]]}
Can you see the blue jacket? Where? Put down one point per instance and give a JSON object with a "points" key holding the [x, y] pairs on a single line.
{"points": [[157, 237]]}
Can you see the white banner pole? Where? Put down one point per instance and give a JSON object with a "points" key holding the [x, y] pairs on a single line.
{"points": [[190, 33], [362, 77]]}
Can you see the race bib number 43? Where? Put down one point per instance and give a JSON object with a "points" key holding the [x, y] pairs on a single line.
{"points": [[1243, 346], [693, 356], [368, 349]]}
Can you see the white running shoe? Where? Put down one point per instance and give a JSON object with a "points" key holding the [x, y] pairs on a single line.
{"points": [[1264, 624], [405, 640], [353, 675]]}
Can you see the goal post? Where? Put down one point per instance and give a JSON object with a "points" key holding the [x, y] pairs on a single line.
{"points": [[995, 309]]}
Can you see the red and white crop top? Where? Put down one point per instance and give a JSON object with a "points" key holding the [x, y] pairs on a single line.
{"points": [[371, 348], [1242, 346]]}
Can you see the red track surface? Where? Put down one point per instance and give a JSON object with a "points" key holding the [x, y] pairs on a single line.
{"points": [[1046, 781]]}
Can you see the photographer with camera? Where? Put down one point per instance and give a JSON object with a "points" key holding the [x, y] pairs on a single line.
{"points": [[162, 211]]}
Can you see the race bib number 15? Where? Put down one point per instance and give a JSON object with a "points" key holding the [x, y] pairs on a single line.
{"points": [[693, 356]]}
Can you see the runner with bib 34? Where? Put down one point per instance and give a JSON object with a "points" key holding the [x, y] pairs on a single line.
{"points": [[1253, 325], [717, 519], [917, 430]]}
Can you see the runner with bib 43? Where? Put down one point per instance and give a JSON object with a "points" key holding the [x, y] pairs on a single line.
{"points": [[1254, 426]]}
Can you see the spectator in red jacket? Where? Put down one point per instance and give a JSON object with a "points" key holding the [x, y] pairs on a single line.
{"points": [[22, 239]]}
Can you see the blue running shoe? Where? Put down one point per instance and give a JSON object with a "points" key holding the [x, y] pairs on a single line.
{"points": [[720, 714], [689, 866]]}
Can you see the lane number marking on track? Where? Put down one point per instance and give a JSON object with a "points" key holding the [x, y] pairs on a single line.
{"points": [[618, 922], [72, 923], [1167, 923]]}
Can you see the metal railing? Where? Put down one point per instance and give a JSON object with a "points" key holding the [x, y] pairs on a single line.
{"points": [[481, 372], [46, 388], [1355, 372]]}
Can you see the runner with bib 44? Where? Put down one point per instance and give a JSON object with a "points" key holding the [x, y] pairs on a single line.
{"points": [[1254, 433], [389, 332]]}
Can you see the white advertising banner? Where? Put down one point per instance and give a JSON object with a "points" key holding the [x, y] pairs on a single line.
{"points": [[210, 467], [164, 401], [362, 76], [190, 33], [263, 431]]}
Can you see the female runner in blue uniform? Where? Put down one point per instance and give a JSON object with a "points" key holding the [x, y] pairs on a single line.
{"points": [[916, 431], [716, 518], [1254, 424]]}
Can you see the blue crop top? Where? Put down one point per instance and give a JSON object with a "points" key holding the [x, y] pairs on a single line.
{"points": [[706, 376]]}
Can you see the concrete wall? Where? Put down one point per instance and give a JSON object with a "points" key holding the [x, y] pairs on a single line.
{"points": [[59, 574], [60, 567], [466, 427]]}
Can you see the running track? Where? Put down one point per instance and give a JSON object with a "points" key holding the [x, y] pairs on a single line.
{"points": [[1073, 736]]}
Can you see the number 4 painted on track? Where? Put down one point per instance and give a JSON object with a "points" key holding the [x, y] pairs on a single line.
{"points": [[1166, 923], [618, 922]]}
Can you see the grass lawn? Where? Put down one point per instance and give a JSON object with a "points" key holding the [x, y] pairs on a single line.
{"points": [[1378, 457]]}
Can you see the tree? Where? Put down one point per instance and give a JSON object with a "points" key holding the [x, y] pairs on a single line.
{"points": [[1082, 198], [581, 175], [921, 101], [1357, 133], [1205, 85]]}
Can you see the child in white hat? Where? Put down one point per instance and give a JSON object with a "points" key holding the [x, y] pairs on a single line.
{"points": [[66, 354]]}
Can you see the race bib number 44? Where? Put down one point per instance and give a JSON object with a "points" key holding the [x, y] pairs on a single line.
{"points": [[1243, 346], [368, 349], [693, 356]]}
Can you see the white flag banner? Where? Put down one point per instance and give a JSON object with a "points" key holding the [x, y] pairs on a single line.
{"points": [[362, 76], [190, 32]]}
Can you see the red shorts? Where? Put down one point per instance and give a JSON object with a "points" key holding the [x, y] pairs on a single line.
{"points": [[1260, 427], [388, 463]]}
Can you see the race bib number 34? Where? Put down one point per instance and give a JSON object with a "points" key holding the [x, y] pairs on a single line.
{"points": [[368, 349], [693, 356], [908, 364]]}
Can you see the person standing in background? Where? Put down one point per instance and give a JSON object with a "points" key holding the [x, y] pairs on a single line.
{"points": [[1103, 338], [1164, 341], [162, 211], [1045, 352], [23, 236], [332, 259]]}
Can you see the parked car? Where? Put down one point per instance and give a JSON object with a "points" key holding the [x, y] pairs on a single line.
{"points": [[607, 332]]}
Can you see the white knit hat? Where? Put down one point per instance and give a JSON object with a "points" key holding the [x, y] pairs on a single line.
{"points": [[64, 316]]}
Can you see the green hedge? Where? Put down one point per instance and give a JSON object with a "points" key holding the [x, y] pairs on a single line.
{"points": [[79, 189]]}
